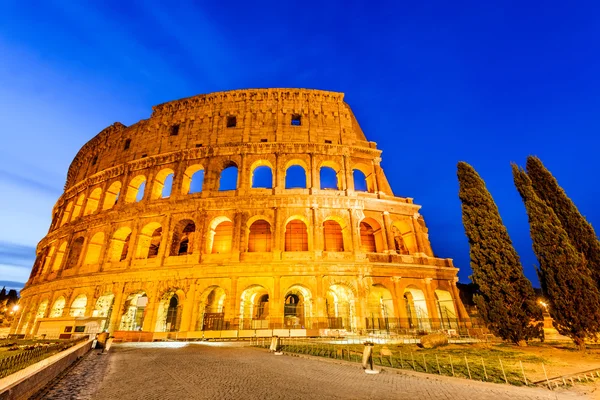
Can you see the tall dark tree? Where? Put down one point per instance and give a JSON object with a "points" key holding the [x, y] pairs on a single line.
{"points": [[505, 299], [574, 299], [580, 231]]}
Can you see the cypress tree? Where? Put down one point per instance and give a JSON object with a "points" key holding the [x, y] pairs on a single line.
{"points": [[574, 299], [580, 231], [505, 299]]}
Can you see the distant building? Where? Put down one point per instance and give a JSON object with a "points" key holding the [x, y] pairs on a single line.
{"points": [[306, 234]]}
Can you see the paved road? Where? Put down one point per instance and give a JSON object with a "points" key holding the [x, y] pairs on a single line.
{"points": [[197, 371]]}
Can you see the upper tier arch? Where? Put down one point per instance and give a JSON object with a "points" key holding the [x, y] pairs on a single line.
{"points": [[230, 118]]}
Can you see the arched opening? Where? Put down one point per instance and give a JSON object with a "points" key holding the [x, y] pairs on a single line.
{"points": [[211, 314], [333, 238], [297, 308], [193, 178], [295, 177], [92, 202], [57, 308], [371, 237], [66, 213], [404, 238], [446, 309], [78, 207], [41, 311], [134, 312], [416, 308], [183, 236], [328, 178], [149, 241], [155, 243], [119, 244], [360, 181], [254, 308], [163, 182], [339, 302], [60, 254], [169, 313], [94, 249], [364, 178], [112, 195], [259, 236], [380, 309], [103, 309], [136, 189], [296, 236], [222, 238], [229, 177], [48, 258], [75, 253], [78, 306], [262, 177]]}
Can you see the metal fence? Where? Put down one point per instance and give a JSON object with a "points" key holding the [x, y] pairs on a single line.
{"points": [[483, 368], [14, 363], [376, 325]]}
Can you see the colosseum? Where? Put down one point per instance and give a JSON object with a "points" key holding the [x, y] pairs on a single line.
{"points": [[236, 214]]}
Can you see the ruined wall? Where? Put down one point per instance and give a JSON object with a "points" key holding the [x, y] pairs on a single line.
{"points": [[309, 244]]}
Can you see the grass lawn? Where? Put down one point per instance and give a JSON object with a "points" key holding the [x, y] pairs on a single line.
{"points": [[485, 362]]}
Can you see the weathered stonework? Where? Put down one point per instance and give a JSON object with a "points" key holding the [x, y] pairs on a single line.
{"points": [[251, 258]]}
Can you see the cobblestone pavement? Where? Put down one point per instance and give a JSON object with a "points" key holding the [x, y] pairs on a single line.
{"points": [[80, 381], [197, 371]]}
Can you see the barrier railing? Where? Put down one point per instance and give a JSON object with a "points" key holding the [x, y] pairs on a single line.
{"points": [[16, 362]]}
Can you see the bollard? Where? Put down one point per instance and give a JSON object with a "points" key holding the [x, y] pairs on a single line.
{"points": [[367, 360], [275, 346]]}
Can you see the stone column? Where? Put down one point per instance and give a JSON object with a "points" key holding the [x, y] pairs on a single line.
{"points": [[188, 307], [320, 311], [348, 175], [232, 310], [314, 181], [434, 315], [151, 311], [117, 308], [375, 165], [461, 311], [417, 231], [354, 234], [400, 303], [387, 230], [276, 305]]}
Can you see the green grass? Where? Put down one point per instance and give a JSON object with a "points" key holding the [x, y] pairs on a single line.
{"points": [[466, 361]]}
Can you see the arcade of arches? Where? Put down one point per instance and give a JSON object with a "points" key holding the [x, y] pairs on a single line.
{"points": [[238, 211]]}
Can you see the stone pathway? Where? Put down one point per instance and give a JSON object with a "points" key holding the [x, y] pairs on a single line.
{"points": [[80, 381], [225, 371]]}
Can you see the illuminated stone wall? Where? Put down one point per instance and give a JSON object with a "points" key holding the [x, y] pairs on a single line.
{"points": [[146, 236]]}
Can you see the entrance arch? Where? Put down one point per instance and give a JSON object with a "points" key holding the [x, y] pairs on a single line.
{"points": [[134, 312], [297, 308], [254, 308], [380, 309], [340, 307], [445, 305], [211, 309], [416, 308], [169, 312]]}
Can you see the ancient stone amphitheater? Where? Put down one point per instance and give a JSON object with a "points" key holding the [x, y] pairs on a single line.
{"points": [[235, 214]]}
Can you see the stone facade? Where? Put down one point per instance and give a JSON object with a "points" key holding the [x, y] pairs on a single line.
{"points": [[333, 249]]}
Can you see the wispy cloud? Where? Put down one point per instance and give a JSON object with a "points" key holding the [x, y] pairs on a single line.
{"points": [[15, 254], [30, 183]]}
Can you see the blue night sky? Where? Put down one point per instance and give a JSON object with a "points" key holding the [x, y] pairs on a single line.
{"points": [[432, 83]]}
